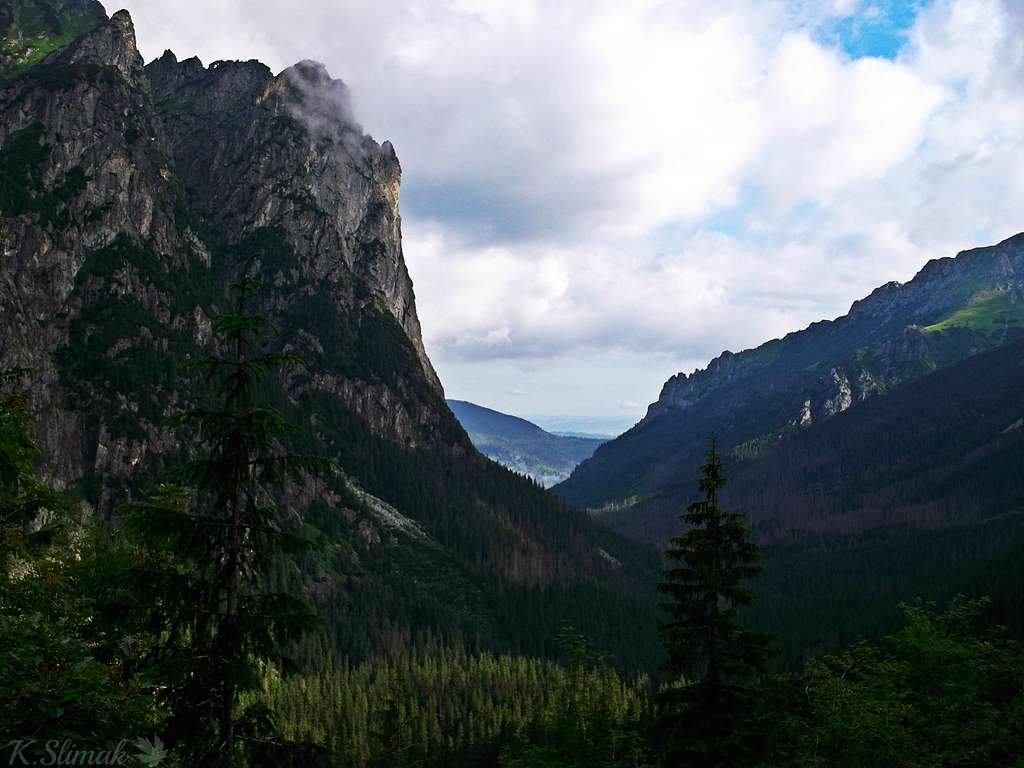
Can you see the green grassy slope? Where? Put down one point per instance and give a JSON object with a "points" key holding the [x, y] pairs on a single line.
{"points": [[32, 29]]}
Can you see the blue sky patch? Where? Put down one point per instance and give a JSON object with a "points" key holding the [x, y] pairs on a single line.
{"points": [[878, 28], [733, 221]]}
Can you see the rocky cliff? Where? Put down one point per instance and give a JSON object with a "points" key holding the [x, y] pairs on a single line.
{"points": [[131, 197], [181, 170], [284, 153], [85, 174]]}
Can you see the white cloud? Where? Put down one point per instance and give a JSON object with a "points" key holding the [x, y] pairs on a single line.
{"points": [[653, 181]]}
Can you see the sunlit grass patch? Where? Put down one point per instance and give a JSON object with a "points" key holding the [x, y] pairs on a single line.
{"points": [[989, 310]]}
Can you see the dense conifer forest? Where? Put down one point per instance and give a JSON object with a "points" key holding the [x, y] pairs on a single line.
{"points": [[99, 645]]}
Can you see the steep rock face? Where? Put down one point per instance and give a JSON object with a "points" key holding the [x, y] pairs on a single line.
{"points": [[131, 198], [82, 168], [168, 190], [264, 152], [953, 308]]}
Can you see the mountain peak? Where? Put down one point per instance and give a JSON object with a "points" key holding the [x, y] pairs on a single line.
{"points": [[112, 44], [311, 71], [123, 20], [878, 298], [324, 103]]}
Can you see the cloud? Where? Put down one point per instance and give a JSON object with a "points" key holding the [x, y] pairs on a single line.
{"points": [[656, 181]]}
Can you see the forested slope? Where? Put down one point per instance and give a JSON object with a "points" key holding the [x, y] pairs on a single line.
{"points": [[917, 493]]}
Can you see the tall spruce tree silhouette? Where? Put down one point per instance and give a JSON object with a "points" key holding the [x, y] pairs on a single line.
{"points": [[706, 714], [212, 537]]}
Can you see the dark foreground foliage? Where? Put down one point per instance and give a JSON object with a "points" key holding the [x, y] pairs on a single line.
{"points": [[84, 662], [945, 690]]}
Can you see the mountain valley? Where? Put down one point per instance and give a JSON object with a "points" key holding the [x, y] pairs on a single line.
{"points": [[242, 525], [521, 445]]}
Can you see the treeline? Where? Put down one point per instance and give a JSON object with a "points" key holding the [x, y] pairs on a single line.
{"points": [[946, 689], [819, 596]]}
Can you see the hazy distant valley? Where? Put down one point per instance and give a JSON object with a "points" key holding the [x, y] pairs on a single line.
{"points": [[521, 445]]}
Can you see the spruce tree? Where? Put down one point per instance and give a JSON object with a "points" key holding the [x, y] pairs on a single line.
{"points": [[213, 538], [706, 712]]}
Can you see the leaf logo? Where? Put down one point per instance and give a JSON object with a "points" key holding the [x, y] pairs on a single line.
{"points": [[150, 752]]}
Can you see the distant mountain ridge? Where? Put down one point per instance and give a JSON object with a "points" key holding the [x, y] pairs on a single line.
{"points": [[952, 309], [521, 445]]}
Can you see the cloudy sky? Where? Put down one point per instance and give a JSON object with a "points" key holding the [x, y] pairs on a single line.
{"points": [[598, 194]]}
